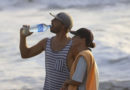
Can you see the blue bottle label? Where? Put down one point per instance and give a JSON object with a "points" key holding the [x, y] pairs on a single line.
{"points": [[40, 27]]}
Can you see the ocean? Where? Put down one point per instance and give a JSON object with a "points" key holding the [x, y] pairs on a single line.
{"points": [[109, 20]]}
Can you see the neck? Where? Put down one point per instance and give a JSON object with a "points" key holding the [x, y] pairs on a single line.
{"points": [[77, 49], [80, 47], [61, 36]]}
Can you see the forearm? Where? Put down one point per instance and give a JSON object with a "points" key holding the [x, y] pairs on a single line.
{"points": [[72, 82], [23, 48], [79, 73], [68, 83]]}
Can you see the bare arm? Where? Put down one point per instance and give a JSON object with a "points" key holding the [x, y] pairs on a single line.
{"points": [[32, 51], [69, 82], [79, 74], [72, 82]]}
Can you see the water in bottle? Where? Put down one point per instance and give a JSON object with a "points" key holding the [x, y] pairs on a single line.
{"points": [[36, 28]]}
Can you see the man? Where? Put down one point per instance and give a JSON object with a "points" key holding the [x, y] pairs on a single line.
{"points": [[57, 51], [83, 73]]}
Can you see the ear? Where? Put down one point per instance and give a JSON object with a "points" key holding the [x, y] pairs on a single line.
{"points": [[64, 28]]}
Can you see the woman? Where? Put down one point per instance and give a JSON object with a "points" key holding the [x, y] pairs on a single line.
{"points": [[83, 73]]}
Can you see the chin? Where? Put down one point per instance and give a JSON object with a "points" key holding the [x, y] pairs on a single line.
{"points": [[52, 31]]}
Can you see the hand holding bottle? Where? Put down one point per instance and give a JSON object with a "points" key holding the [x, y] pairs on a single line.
{"points": [[35, 28], [24, 31]]}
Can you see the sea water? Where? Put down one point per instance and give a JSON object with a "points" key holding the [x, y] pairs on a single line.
{"points": [[108, 20]]}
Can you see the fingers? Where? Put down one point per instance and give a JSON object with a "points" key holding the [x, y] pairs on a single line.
{"points": [[24, 31], [64, 88], [61, 89], [27, 26], [30, 33]]}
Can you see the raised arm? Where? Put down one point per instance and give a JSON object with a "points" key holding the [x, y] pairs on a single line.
{"points": [[32, 51]]}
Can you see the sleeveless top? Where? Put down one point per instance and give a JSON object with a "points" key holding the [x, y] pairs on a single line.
{"points": [[55, 64]]}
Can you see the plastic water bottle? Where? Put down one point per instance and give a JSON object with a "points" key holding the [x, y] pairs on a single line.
{"points": [[36, 28]]}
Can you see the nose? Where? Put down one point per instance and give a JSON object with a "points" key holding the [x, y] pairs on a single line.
{"points": [[51, 22], [53, 19]]}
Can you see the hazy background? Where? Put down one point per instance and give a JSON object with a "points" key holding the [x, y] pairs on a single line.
{"points": [[109, 20]]}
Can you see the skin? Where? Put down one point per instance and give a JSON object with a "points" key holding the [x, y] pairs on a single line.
{"points": [[58, 42], [79, 45]]}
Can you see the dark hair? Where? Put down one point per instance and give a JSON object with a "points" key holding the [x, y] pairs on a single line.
{"points": [[92, 45], [87, 34]]}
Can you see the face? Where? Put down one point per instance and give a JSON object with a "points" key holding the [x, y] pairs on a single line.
{"points": [[56, 26], [78, 41]]}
